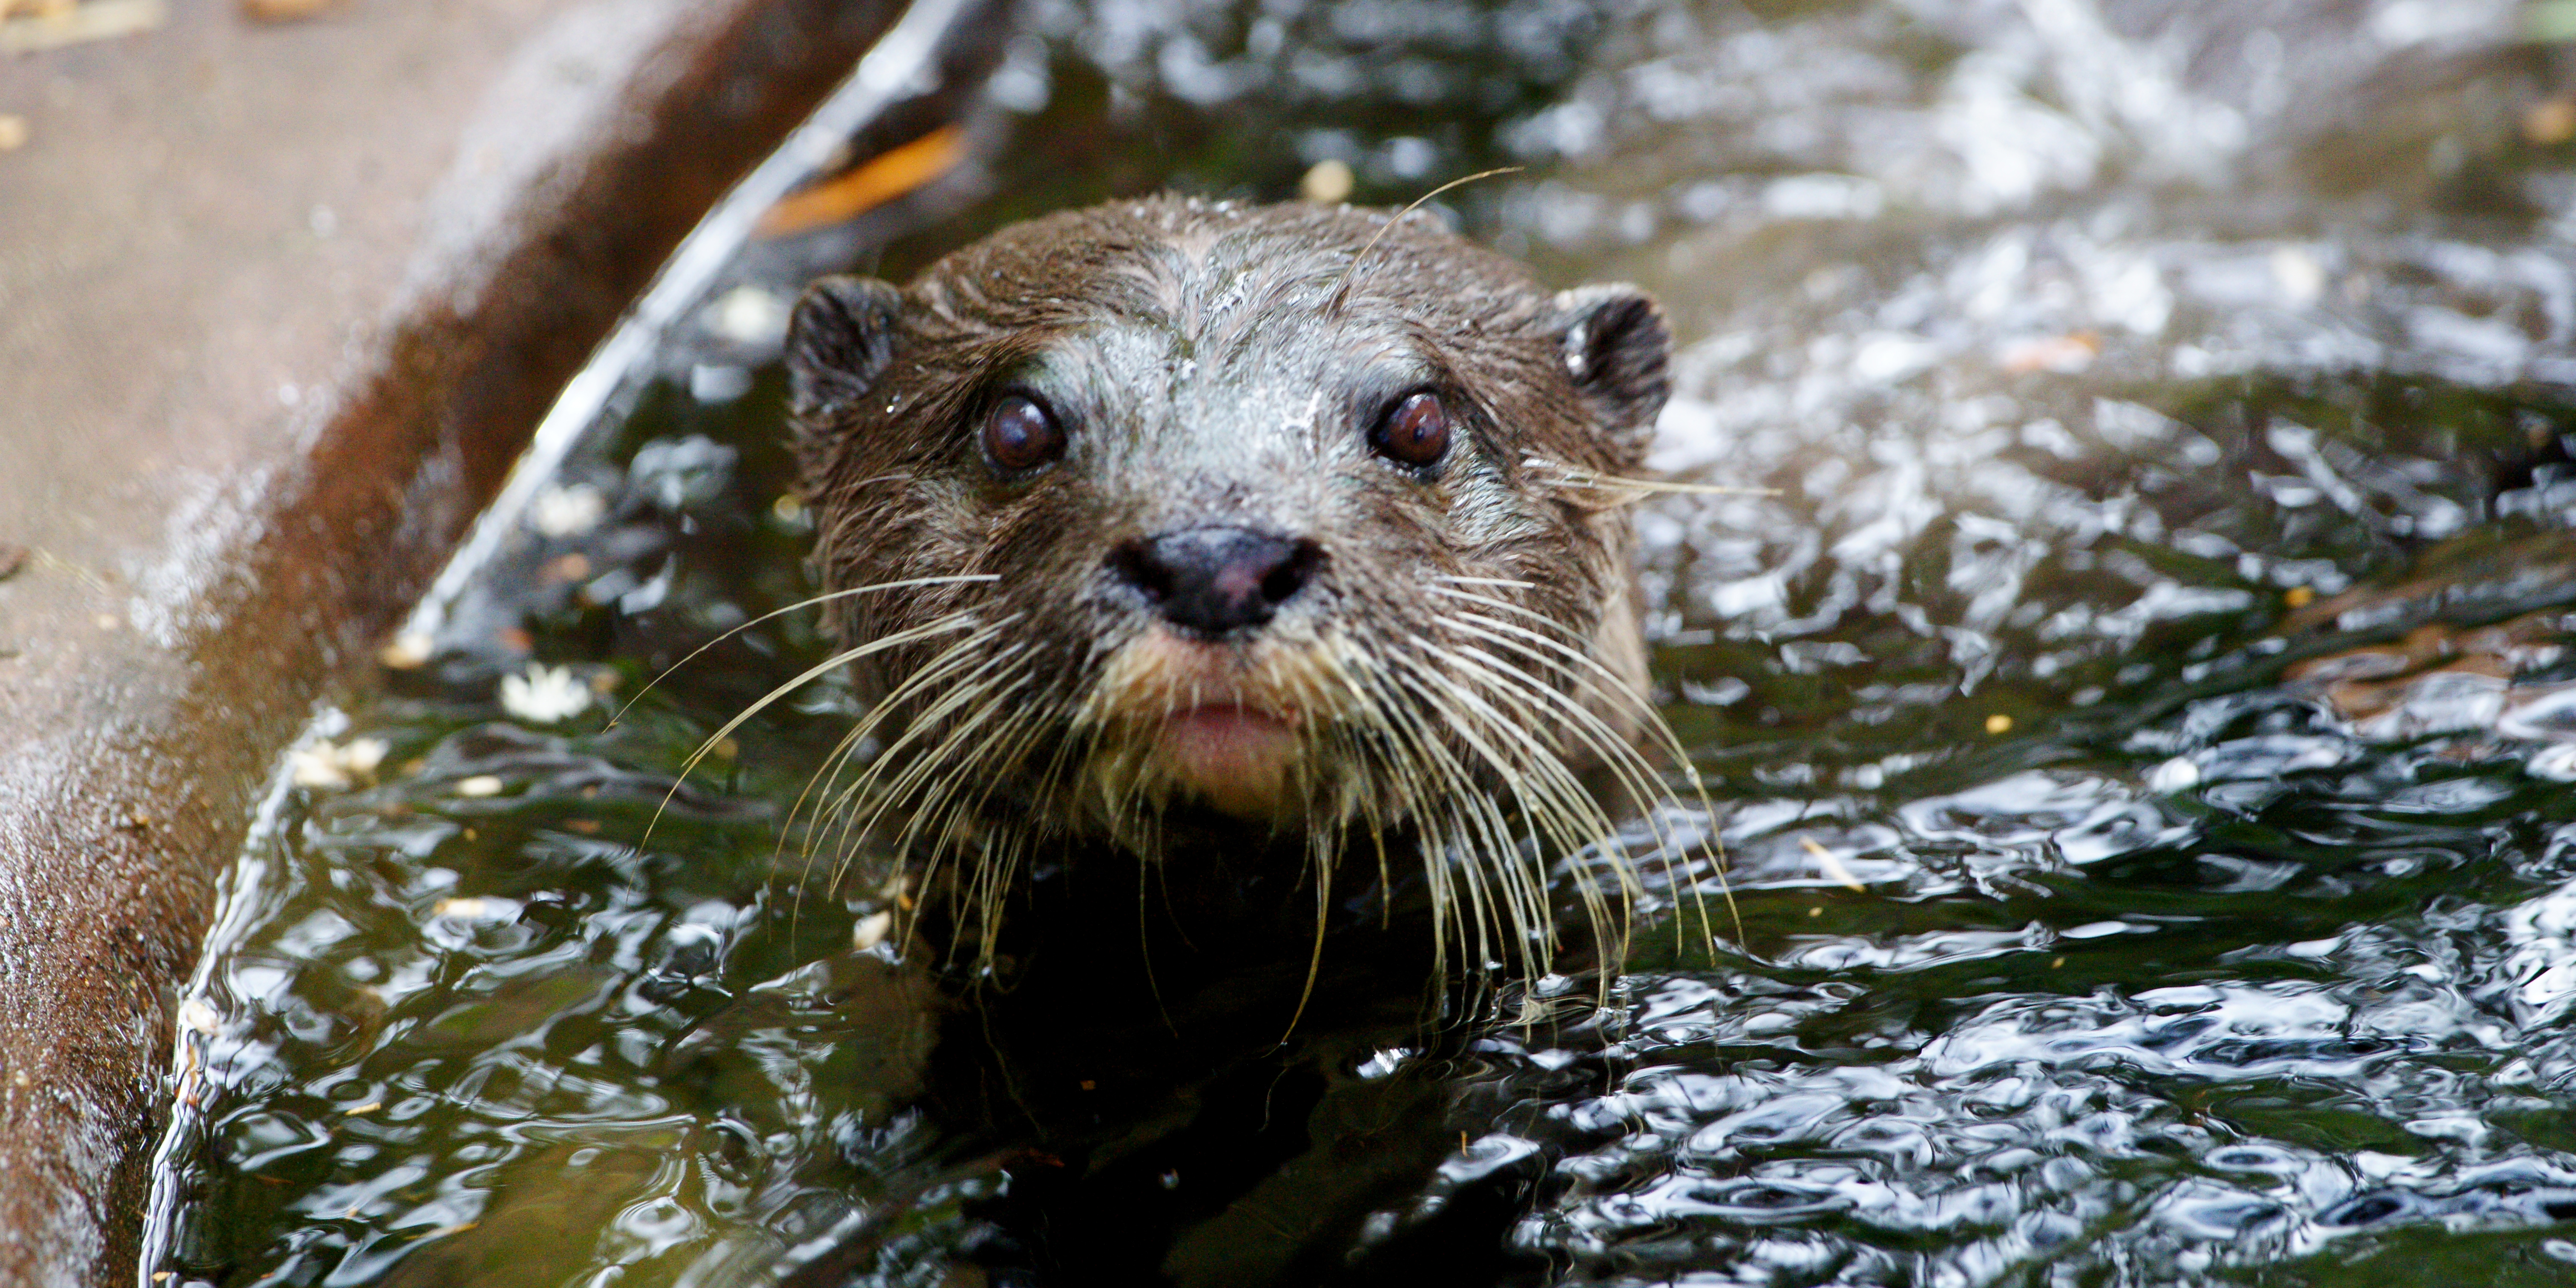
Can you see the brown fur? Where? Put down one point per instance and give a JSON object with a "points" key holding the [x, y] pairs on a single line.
{"points": [[1206, 372]]}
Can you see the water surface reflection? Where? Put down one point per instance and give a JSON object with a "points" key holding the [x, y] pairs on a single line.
{"points": [[2156, 602]]}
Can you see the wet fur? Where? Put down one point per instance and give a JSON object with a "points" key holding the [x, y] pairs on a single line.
{"points": [[1468, 652]]}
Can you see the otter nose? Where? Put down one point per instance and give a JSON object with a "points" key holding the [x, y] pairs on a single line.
{"points": [[1213, 581]]}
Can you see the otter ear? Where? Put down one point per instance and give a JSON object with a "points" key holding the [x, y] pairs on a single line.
{"points": [[1618, 350], [838, 341]]}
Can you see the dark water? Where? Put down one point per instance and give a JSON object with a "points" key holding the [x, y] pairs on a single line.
{"points": [[2158, 605]]}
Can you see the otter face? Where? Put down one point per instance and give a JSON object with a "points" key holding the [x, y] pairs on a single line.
{"points": [[1288, 514]]}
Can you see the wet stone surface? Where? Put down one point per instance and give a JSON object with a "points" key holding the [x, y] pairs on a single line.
{"points": [[2136, 692]]}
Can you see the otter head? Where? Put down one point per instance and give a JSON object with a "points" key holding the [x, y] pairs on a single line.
{"points": [[1291, 515]]}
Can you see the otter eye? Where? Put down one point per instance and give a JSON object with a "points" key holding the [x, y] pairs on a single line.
{"points": [[1020, 435], [1415, 432]]}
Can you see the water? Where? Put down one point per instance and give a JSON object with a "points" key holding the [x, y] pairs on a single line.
{"points": [[2139, 710]]}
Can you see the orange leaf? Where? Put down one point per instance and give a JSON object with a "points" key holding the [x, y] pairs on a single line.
{"points": [[855, 192]]}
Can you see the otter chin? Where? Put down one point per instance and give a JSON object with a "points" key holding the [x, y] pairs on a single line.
{"points": [[1234, 758], [1207, 720], [1309, 517]]}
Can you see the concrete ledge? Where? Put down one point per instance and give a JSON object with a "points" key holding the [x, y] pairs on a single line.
{"points": [[278, 307]]}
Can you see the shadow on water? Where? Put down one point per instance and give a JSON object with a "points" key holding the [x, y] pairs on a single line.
{"points": [[2137, 694]]}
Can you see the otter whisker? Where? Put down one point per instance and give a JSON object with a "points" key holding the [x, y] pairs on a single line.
{"points": [[1443, 782], [1621, 756], [1651, 720], [1435, 786], [1030, 728], [809, 602], [958, 653], [942, 811], [840, 753], [1610, 686], [1569, 476], [831, 801], [1617, 756], [841, 827], [937, 766], [1506, 605], [1560, 804], [808, 676], [1319, 859], [915, 768], [1352, 749], [1513, 886], [939, 811], [1616, 753], [1341, 288], [943, 808], [1477, 850], [1555, 803]]}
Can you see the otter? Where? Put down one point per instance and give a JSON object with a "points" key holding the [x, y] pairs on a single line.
{"points": [[1175, 525]]}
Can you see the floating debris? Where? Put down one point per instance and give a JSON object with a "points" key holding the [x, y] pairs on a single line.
{"points": [[563, 511], [287, 10], [334, 766], [882, 179], [409, 651], [2062, 355], [1832, 864], [2439, 679], [544, 694], [2549, 121], [1327, 181], [748, 316], [871, 930], [13, 133], [464, 908], [479, 785], [54, 24], [563, 568]]}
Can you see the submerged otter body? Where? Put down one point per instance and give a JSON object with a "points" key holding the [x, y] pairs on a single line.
{"points": [[1293, 530]]}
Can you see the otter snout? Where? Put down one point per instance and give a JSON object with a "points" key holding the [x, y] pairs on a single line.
{"points": [[1216, 581]]}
